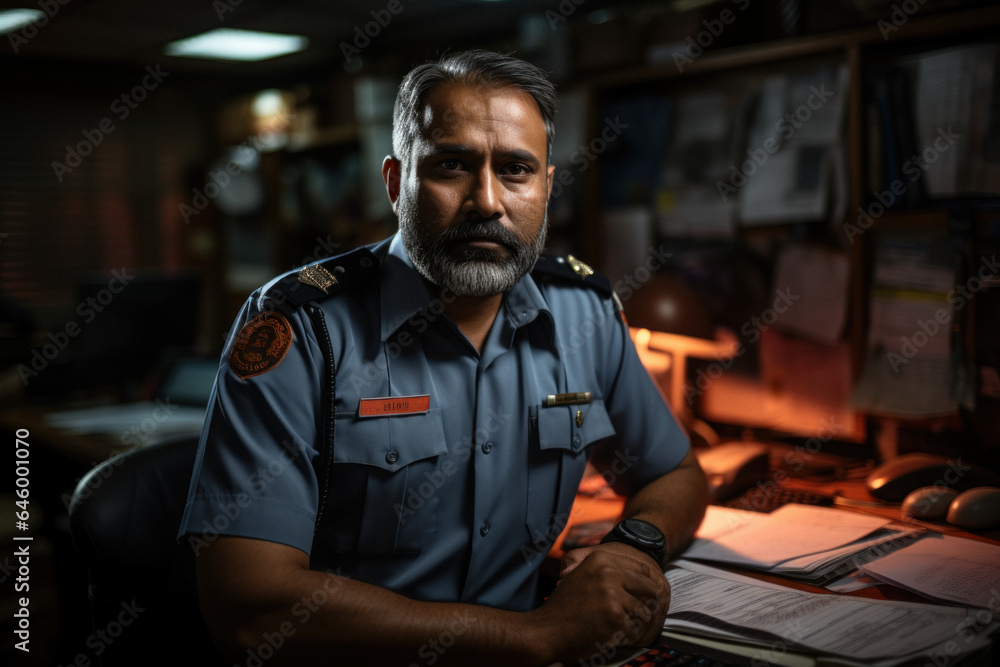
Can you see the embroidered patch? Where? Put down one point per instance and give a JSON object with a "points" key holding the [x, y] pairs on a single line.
{"points": [[261, 345]]}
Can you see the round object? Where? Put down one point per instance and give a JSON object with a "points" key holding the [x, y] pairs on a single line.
{"points": [[928, 502], [976, 508]]}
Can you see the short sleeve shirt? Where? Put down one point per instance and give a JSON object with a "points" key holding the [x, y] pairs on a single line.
{"points": [[460, 499]]}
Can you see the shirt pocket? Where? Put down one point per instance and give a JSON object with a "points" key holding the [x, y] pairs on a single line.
{"points": [[561, 442], [378, 461]]}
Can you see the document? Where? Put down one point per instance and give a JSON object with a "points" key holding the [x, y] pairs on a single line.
{"points": [[946, 568], [789, 532], [854, 630]]}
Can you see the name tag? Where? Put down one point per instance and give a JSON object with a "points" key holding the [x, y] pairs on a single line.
{"points": [[392, 406], [573, 398]]}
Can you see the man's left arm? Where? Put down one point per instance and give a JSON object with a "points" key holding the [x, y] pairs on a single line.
{"points": [[675, 503]]}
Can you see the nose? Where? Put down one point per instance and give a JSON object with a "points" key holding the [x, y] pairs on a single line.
{"points": [[484, 196]]}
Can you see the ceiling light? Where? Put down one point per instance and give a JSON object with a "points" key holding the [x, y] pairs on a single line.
{"points": [[15, 19], [242, 45]]}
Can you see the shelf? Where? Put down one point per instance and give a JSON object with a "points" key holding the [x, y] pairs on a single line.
{"points": [[750, 55]]}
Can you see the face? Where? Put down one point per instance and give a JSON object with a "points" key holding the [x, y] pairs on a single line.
{"points": [[471, 198]]}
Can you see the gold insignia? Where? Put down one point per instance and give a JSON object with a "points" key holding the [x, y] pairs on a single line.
{"points": [[318, 277], [260, 345], [579, 418], [579, 267]]}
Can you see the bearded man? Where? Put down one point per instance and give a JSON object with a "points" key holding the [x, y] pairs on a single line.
{"points": [[383, 485]]}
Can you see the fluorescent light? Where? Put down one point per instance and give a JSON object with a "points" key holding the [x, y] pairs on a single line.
{"points": [[15, 19], [243, 45]]}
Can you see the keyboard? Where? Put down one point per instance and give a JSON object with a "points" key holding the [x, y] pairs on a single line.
{"points": [[766, 500], [668, 652]]}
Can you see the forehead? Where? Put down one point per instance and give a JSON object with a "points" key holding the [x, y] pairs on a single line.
{"points": [[461, 111]]}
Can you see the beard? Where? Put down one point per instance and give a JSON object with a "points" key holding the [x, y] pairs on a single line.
{"points": [[445, 260]]}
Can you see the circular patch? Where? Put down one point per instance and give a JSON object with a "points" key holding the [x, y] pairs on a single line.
{"points": [[261, 345]]}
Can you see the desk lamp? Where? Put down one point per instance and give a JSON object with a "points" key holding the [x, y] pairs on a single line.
{"points": [[669, 324]]}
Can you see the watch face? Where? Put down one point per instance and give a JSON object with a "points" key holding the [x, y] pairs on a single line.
{"points": [[643, 530]]}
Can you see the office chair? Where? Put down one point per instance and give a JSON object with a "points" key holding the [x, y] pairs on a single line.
{"points": [[124, 517]]}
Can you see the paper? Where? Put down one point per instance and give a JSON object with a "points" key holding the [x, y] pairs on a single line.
{"points": [[792, 148], [728, 606], [946, 568], [789, 532], [819, 278]]}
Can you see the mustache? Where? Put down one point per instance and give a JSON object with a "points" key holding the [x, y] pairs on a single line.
{"points": [[480, 230]]}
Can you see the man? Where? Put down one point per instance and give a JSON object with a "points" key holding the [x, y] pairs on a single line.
{"points": [[397, 434]]}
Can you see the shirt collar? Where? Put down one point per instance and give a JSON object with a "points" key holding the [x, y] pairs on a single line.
{"points": [[403, 293]]}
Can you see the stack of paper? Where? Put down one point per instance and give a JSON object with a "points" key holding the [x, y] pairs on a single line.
{"points": [[840, 630], [815, 544], [946, 568]]}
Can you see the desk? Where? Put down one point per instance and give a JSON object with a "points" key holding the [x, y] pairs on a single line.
{"points": [[596, 508]]}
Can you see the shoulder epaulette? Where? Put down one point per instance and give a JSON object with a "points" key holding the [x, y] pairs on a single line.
{"points": [[322, 279], [572, 270]]}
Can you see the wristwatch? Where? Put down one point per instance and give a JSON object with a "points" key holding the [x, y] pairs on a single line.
{"points": [[642, 535]]}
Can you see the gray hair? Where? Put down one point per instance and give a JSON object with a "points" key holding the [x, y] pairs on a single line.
{"points": [[475, 67]]}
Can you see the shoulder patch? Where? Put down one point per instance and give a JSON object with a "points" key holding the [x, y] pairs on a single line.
{"points": [[572, 270], [260, 345]]}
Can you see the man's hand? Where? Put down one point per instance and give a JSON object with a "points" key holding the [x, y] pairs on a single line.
{"points": [[608, 595]]}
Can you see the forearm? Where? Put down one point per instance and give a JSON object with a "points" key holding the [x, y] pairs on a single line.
{"points": [[306, 617], [674, 502]]}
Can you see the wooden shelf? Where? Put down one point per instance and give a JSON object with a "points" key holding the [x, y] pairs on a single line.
{"points": [[725, 60]]}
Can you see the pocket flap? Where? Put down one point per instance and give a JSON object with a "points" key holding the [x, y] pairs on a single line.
{"points": [[560, 428], [389, 443]]}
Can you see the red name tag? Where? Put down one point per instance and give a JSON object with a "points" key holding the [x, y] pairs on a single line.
{"points": [[390, 406]]}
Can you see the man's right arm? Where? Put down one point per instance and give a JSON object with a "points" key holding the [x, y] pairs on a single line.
{"points": [[257, 594]]}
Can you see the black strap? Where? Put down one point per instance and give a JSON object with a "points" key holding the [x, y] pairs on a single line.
{"points": [[329, 409]]}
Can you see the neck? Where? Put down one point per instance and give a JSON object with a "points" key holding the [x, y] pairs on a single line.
{"points": [[474, 316]]}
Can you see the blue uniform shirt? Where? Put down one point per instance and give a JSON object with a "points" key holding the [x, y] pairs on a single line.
{"points": [[460, 502]]}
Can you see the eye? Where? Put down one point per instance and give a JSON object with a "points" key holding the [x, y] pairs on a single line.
{"points": [[517, 170], [450, 165]]}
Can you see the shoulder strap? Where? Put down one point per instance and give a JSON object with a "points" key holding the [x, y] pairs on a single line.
{"points": [[321, 280], [550, 268], [570, 270]]}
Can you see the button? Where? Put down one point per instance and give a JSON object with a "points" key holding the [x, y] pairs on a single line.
{"points": [[576, 441], [487, 447], [391, 456], [485, 528], [365, 262]]}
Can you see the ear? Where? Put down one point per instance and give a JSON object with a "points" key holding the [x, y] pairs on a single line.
{"points": [[391, 174], [550, 179]]}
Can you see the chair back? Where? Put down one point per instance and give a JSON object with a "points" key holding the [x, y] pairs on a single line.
{"points": [[124, 517]]}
